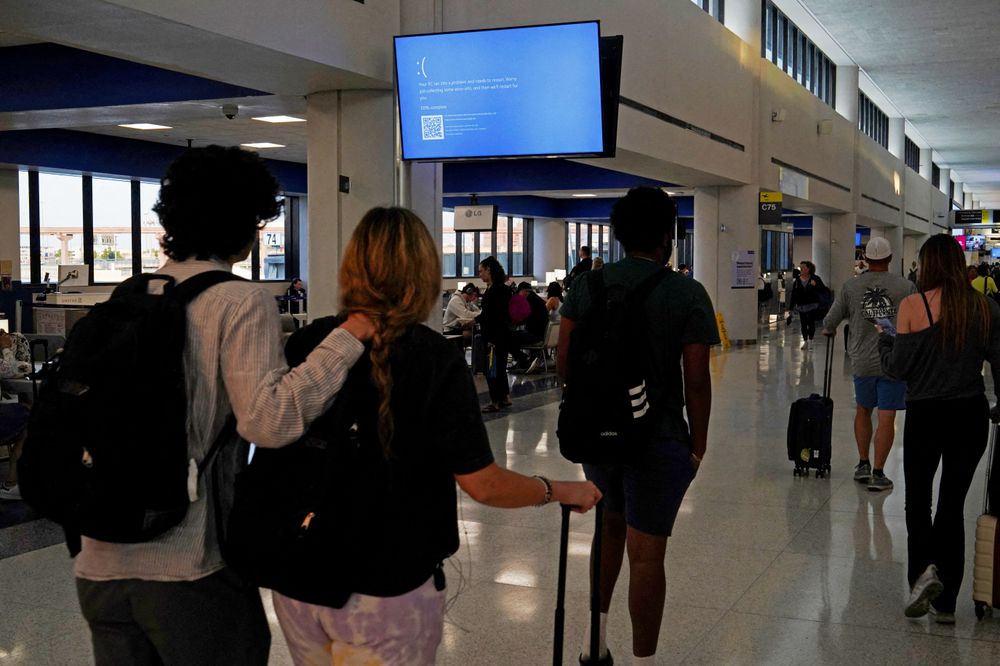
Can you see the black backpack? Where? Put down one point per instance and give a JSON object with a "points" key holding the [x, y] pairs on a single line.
{"points": [[604, 416], [107, 449]]}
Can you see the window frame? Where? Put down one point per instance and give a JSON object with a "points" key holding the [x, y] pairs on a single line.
{"points": [[479, 253], [291, 205]]}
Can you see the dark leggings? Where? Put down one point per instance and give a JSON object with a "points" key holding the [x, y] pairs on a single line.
{"points": [[808, 320], [499, 388], [952, 433]]}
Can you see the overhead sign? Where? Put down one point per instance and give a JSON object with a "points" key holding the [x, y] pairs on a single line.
{"points": [[770, 208], [966, 217]]}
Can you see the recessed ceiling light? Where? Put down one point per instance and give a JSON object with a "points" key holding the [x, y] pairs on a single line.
{"points": [[584, 196], [263, 144], [280, 119], [145, 126]]}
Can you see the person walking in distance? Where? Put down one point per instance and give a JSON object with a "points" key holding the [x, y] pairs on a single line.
{"points": [[642, 497], [806, 291], [872, 296]]}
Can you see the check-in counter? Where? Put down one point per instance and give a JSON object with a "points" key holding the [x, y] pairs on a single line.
{"points": [[58, 313]]}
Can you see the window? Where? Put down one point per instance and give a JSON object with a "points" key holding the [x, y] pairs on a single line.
{"points": [[599, 237], [112, 230], [935, 175], [109, 223], [448, 255], [873, 122], [150, 231], [271, 250], [715, 8], [60, 199], [510, 245], [795, 54], [912, 155], [24, 224]]}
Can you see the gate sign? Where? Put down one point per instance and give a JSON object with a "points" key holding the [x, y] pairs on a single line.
{"points": [[770, 208], [966, 217]]}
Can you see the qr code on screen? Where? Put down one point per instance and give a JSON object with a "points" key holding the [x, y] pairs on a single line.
{"points": [[432, 127]]}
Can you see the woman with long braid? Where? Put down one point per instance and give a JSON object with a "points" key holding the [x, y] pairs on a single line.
{"points": [[420, 431]]}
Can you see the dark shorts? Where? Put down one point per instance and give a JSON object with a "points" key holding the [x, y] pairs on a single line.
{"points": [[881, 392], [649, 490]]}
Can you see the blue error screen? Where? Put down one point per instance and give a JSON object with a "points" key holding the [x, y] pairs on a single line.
{"points": [[493, 93]]}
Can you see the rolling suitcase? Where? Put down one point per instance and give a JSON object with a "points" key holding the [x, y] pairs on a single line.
{"points": [[595, 588], [986, 564], [810, 427]]}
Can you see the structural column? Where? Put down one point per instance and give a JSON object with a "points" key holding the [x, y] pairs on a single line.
{"points": [[842, 230], [549, 248], [846, 101], [967, 200], [944, 183], [743, 18], [725, 224], [895, 237], [350, 134], [897, 137], [821, 246], [10, 224], [926, 166]]}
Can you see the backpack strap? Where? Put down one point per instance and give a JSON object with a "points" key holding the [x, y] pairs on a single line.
{"points": [[192, 287]]}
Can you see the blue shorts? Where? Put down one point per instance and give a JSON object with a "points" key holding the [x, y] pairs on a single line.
{"points": [[881, 392], [648, 490]]}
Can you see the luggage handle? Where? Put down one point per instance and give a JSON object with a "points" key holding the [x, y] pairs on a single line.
{"points": [[595, 587], [828, 365], [989, 463]]}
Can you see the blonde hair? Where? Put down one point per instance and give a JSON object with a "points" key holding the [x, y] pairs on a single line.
{"points": [[390, 272]]}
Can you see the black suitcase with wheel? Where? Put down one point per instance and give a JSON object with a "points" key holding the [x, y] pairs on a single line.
{"points": [[595, 588], [810, 427]]}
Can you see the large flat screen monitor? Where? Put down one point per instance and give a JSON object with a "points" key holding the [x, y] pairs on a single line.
{"points": [[508, 92], [975, 242]]}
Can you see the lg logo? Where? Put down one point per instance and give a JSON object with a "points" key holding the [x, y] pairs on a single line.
{"points": [[473, 213]]}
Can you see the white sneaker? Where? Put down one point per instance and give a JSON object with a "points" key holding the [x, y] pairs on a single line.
{"points": [[941, 617], [812, 345], [927, 588], [536, 365], [9, 492], [805, 343]]}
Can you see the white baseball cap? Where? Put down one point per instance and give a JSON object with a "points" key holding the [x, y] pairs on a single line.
{"points": [[878, 248]]}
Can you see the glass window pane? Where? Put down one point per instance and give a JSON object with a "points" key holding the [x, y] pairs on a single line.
{"points": [[469, 267], [112, 230], [517, 258], [22, 207], [571, 250], [448, 243], [272, 249], [501, 243], [149, 228], [486, 249], [60, 200]]}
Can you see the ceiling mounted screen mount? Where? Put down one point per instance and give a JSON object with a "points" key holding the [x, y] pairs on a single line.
{"points": [[510, 92]]}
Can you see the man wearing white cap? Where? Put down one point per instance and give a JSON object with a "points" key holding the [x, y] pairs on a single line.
{"points": [[863, 300]]}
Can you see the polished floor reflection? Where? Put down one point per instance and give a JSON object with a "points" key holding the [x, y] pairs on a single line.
{"points": [[763, 567]]}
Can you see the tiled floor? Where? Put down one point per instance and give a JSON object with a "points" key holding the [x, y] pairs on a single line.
{"points": [[763, 568]]}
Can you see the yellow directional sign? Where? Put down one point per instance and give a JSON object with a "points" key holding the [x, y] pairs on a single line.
{"points": [[771, 197]]}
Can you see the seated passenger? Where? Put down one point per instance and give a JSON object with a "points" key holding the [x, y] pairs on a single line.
{"points": [[553, 300], [533, 330], [418, 431], [460, 315], [172, 600]]}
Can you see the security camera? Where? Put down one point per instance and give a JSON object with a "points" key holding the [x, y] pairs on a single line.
{"points": [[230, 111]]}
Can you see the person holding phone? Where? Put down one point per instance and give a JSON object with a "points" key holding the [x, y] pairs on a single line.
{"points": [[864, 300]]}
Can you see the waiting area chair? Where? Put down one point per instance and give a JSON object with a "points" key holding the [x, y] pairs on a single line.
{"points": [[548, 342]]}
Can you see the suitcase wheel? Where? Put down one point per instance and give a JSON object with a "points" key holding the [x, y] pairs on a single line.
{"points": [[798, 471], [823, 472], [981, 610]]}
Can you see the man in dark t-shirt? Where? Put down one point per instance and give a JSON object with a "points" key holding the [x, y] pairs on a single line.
{"points": [[642, 497]]}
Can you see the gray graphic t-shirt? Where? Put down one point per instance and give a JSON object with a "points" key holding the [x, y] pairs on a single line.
{"points": [[862, 300]]}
